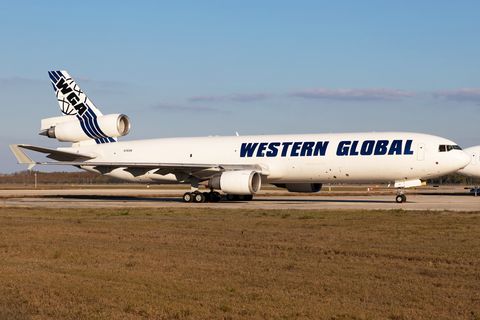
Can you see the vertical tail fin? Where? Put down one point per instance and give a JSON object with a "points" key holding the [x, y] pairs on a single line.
{"points": [[74, 102]]}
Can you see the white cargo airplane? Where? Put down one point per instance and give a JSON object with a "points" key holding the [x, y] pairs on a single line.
{"points": [[473, 168], [238, 165]]}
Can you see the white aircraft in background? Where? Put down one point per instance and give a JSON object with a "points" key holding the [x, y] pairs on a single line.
{"points": [[473, 168], [238, 165]]}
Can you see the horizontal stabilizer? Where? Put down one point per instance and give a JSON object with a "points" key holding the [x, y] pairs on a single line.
{"points": [[22, 156]]}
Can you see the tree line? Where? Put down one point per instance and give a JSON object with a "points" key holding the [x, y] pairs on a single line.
{"points": [[454, 178], [85, 177], [81, 177]]}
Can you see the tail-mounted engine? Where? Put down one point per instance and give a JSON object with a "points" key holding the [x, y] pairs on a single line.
{"points": [[72, 129], [242, 182]]}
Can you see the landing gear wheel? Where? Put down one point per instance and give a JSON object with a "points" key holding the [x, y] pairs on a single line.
{"points": [[198, 197], [249, 197], [232, 197], [404, 198], [216, 197], [401, 198], [188, 197], [208, 196]]}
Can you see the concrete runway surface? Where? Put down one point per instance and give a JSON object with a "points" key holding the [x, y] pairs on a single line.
{"points": [[454, 198]]}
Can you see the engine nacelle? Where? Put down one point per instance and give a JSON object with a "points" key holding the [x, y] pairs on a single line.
{"points": [[301, 187], [74, 130], [242, 182]]}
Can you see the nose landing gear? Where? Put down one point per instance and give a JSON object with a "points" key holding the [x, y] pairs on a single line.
{"points": [[401, 198]]}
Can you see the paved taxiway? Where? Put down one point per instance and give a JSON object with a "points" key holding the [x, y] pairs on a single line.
{"points": [[83, 198]]}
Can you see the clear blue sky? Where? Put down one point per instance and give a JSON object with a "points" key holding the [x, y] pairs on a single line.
{"points": [[198, 68]]}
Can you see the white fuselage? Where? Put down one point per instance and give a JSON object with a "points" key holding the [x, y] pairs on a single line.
{"points": [[390, 157]]}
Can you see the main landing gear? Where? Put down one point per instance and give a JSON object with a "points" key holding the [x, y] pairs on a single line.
{"points": [[213, 196], [198, 196], [401, 198]]}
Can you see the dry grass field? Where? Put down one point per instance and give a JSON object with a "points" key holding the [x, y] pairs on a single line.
{"points": [[195, 263]]}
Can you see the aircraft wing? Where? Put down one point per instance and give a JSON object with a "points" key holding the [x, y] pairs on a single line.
{"points": [[199, 170], [52, 153]]}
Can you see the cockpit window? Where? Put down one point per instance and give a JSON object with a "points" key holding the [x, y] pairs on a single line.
{"points": [[447, 147]]}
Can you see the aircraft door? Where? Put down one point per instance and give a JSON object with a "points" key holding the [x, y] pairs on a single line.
{"points": [[421, 152]]}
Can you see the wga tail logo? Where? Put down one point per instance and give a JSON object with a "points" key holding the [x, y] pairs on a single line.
{"points": [[71, 98]]}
